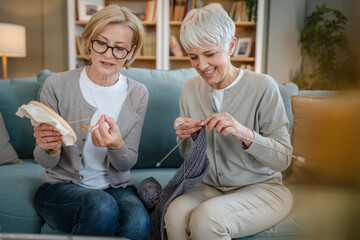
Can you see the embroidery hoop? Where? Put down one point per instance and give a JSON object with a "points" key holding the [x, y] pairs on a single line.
{"points": [[57, 116]]}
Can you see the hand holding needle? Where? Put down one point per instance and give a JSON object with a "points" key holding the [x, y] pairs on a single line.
{"points": [[299, 158]]}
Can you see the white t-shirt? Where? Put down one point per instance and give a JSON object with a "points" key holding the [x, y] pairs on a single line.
{"points": [[218, 94], [108, 101]]}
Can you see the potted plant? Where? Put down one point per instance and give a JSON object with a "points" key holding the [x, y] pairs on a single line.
{"points": [[325, 51]]}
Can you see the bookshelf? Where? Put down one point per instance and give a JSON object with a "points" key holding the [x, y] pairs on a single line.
{"points": [[147, 58], [163, 28], [244, 28]]}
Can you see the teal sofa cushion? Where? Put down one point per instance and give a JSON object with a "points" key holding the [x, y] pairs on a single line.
{"points": [[158, 135], [286, 90], [41, 77], [14, 93], [18, 184]]}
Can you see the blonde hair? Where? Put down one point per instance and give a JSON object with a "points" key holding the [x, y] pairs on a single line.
{"points": [[114, 14], [207, 26]]}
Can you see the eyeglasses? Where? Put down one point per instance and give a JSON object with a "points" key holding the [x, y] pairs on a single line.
{"points": [[101, 47]]}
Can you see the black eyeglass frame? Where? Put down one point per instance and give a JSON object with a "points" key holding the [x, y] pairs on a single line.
{"points": [[112, 48]]}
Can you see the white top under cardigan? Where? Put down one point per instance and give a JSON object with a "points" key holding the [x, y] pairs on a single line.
{"points": [[107, 100]]}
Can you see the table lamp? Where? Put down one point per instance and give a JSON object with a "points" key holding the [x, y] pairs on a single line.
{"points": [[12, 43]]}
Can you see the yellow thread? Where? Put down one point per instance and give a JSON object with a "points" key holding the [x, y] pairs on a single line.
{"points": [[85, 126], [84, 119]]}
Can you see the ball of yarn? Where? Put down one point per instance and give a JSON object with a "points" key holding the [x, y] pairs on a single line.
{"points": [[149, 191]]}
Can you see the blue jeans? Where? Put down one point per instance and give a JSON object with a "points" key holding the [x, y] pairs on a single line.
{"points": [[80, 211]]}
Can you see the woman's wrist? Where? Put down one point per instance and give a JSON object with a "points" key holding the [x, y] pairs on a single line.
{"points": [[251, 136], [53, 151], [117, 146]]}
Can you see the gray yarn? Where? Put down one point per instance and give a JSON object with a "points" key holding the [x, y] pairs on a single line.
{"points": [[190, 173], [149, 191]]}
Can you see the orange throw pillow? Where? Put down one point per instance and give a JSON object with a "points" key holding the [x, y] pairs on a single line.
{"points": [[327, 133]]}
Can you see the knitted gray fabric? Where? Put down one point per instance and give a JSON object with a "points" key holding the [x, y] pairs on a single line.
{"points": [[190, 173]]}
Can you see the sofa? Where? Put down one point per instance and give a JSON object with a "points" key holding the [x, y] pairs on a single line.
{"points": [[21, 176]]}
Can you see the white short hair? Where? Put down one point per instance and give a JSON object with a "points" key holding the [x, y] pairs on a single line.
{"points": [[207, 26]]}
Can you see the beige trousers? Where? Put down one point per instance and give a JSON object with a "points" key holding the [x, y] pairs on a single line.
{"points": [[205, 212]]}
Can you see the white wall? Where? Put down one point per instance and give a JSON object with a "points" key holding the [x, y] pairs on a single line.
{"points": [[286, 19]]}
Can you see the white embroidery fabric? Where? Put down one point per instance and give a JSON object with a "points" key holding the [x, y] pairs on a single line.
{"points": [[38, 115]]}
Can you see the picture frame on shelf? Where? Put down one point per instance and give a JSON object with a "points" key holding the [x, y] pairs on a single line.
{"points": [[87, 8], [243, 47], [78, 45]]}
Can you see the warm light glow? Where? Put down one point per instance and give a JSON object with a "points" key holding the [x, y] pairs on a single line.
{"points": [[12, 40]]}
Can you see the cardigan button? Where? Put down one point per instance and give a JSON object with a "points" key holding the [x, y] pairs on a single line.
{"points": [[81, 177]]}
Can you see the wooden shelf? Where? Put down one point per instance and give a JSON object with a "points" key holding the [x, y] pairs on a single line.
{"points": [[242, 59], [179, 58], [237, 24], [146, 58], [81, 22], [245, 24], [175, 23], [147, 23], [80, 57], [233, 59], [138, 57], [84, 22]]}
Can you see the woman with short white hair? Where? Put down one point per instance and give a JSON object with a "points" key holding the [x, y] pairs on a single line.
{"points": [[242, 193]]}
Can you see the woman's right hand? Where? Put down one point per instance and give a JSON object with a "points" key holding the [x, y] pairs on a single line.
{"points": [[47, 137], [184, 127]]}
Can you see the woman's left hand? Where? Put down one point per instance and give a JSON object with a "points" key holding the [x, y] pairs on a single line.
{"points": [[110, 138], [225, 124]]}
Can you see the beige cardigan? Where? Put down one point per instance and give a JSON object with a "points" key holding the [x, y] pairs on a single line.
{"points": [[255, 102]]}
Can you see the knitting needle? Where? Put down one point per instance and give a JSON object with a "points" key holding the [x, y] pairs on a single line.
{"points": [[158, 164], [299, 158]]}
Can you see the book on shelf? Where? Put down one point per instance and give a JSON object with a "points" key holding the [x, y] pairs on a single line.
{"points": [[149, 47], [241, 11], [179, 10], [150, 12], [171, 10], [175, 49]]}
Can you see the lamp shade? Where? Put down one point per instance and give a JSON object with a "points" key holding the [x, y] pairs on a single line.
{"points": [[12, 40]]}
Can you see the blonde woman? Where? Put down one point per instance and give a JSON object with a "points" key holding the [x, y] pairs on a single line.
{"points": [[242, 193], [87, 188]]}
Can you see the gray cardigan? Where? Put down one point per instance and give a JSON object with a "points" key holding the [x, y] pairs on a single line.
{"points": [[61, 92]]}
